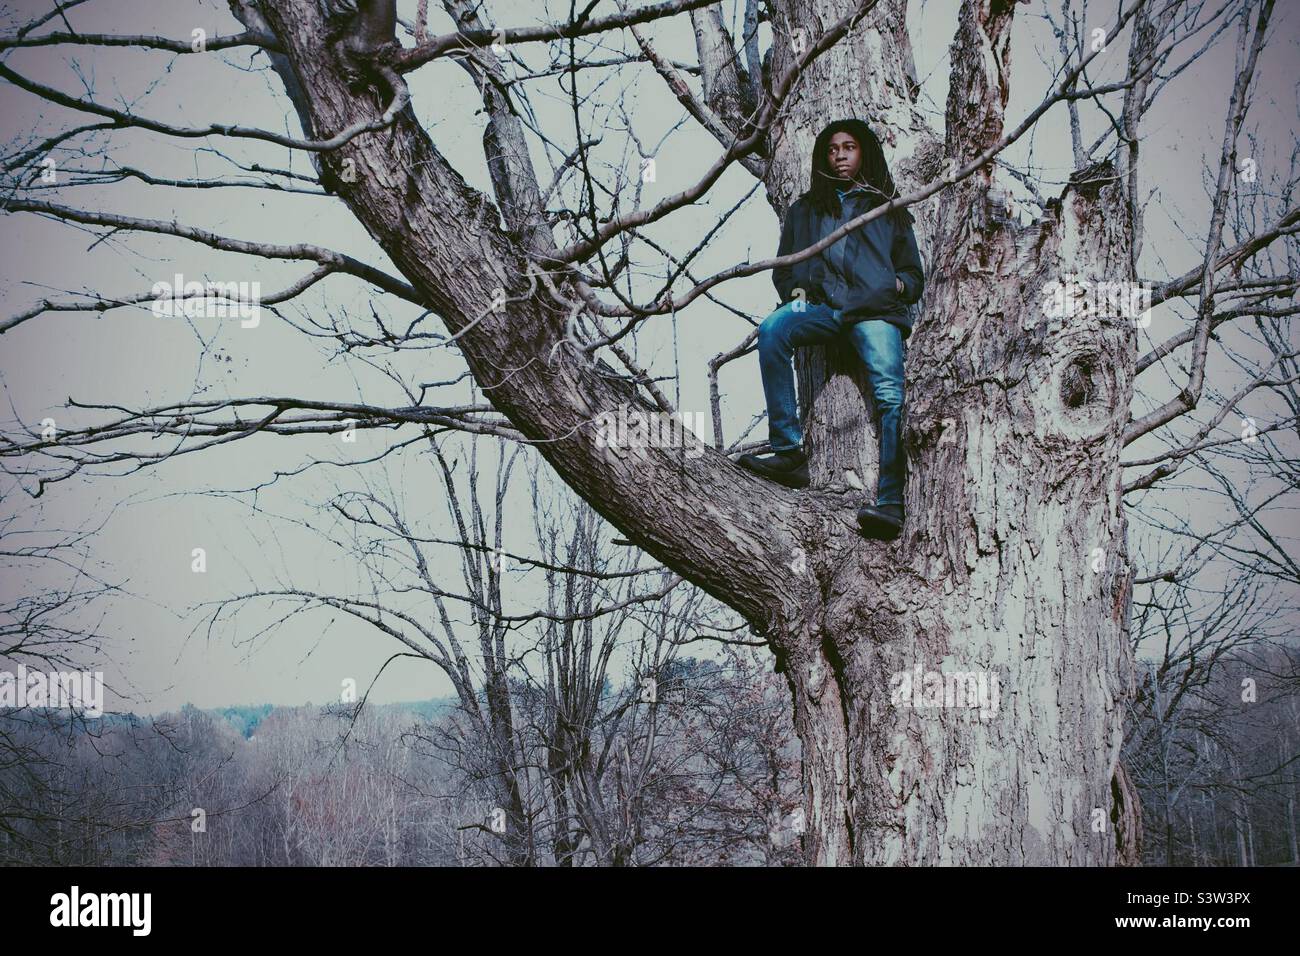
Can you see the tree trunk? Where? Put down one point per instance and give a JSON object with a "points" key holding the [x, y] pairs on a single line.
{"points": [[1243, 856], [1240, 814], [1291, 794], [1013, 433], [1011, 430]]}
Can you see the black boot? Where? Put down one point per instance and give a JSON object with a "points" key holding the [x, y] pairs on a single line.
{"points": [[789, 468], [881, 521]]}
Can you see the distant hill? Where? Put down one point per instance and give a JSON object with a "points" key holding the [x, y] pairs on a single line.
{"points": [[246, 717], [243, 717]]}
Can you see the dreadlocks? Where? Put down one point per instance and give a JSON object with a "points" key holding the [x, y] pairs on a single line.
{"points": [[874, 171]]}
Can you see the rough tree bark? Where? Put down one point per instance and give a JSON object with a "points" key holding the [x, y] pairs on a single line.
{"points": [[1013, 431]]}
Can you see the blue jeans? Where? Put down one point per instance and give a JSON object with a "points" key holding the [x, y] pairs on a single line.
{"points": [[880, 346]]}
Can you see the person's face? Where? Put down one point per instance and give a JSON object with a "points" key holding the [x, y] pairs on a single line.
{"points": [[844, 156]]}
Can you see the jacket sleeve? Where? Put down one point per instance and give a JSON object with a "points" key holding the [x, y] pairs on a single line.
{"points": [[907, 264], [783, 276]]}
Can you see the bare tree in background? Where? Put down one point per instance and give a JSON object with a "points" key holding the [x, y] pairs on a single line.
{"points": [[1015, 422], [559, 754], [1213, 734], [46, 813], [1215, 751]]}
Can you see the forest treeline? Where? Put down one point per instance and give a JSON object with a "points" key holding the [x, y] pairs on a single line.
{"points": [[408, 784], [405, 785]]}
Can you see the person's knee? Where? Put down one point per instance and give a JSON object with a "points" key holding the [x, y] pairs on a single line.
{"points": [[771, 332], [888, 397], [879, 347], [887, 388]]}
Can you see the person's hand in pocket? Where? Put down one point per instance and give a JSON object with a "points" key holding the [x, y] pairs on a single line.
{"points": [[898, 283]]}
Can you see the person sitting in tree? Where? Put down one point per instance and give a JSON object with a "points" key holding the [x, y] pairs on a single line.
{"points": [[860, 288]]}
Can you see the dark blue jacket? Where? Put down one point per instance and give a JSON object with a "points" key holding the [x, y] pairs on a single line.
{"points": [[857, 274]]}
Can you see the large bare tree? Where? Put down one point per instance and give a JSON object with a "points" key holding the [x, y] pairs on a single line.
{"points": [[1014, 558]]}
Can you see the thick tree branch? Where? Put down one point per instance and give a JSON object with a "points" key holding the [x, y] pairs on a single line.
{"points": [[247, 38]]}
